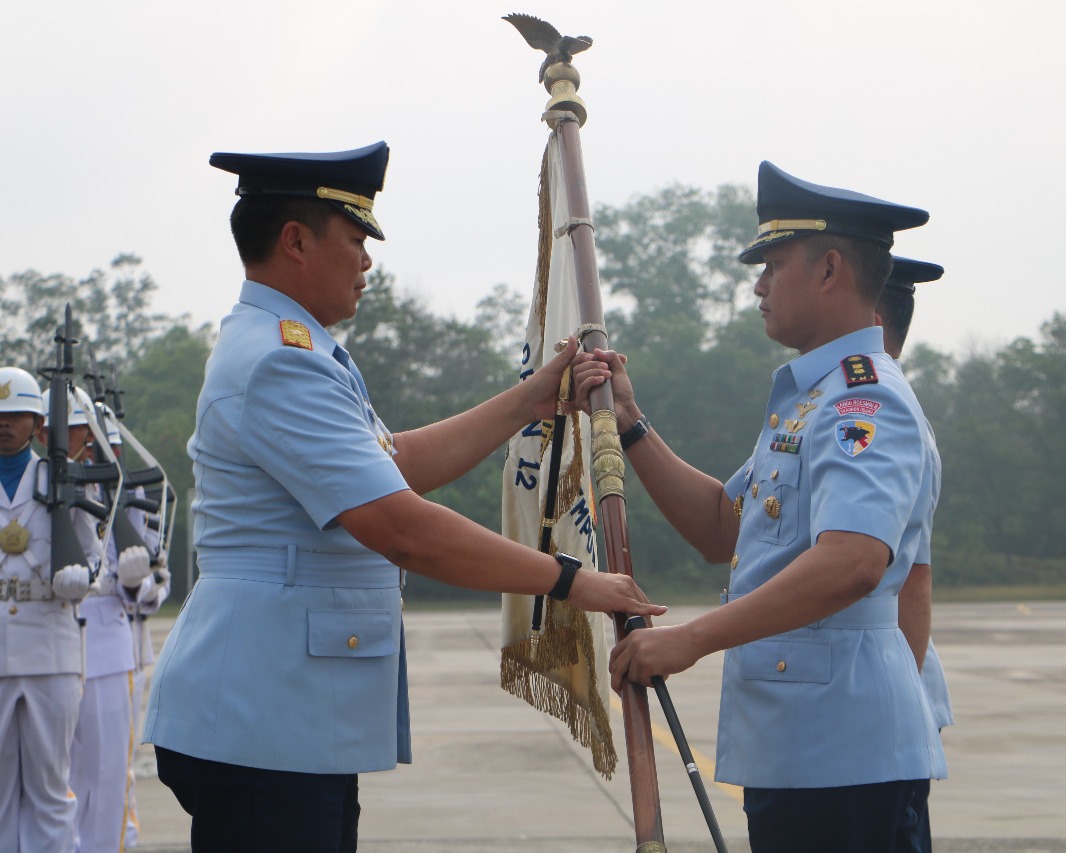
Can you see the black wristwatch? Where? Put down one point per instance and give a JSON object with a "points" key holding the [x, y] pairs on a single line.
{"points": [[641, 427], [570, 565]]}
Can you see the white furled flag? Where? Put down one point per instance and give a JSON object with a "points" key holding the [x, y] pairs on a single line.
{"points": [[564, 673]]}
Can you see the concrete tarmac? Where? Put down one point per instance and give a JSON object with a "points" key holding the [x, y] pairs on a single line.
{"points": [[491, 774]]}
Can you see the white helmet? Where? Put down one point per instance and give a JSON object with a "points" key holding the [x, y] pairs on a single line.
{"points": [[114, 435], [79, 407], [19, 392]]}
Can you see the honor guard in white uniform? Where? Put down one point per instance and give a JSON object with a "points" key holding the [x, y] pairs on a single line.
{"points": [[100, 752], [140, 601], [40, 641], [895, 310], [823, 720], [285, 675]]}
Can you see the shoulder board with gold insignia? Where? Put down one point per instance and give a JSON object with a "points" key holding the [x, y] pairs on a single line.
{"points": [[858, 370], [295, 334]]}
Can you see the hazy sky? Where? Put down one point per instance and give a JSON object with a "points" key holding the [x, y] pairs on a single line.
{"points": [[111, 109]]}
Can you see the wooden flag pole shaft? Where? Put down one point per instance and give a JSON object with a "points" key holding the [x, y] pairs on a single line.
{"points": [[609, 470]]}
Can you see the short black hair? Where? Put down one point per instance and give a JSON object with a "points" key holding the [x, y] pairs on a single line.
{"points": [[896, 308], [872, 261], [257, 220]]}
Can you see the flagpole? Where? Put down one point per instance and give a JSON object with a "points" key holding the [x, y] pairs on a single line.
{"points": [[565, 112]]}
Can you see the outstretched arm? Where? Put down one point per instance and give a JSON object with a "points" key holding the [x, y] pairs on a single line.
{"points": [[694, 503], [431, 540], [433, 455]]}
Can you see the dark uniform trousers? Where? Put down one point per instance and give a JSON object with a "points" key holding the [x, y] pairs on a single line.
{"points": [[236, 809], [886, 817]]}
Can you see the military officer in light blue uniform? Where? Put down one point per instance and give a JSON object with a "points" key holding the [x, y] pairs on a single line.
{"points": [[823, 719], [895, 310], [284, 676]]}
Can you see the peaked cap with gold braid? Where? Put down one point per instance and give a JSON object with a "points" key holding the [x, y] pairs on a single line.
{"points": [[347, 179], [789, 209]]}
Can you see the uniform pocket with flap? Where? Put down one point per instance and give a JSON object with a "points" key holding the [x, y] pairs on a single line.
{"points": [[777, 659], [352, 633]]}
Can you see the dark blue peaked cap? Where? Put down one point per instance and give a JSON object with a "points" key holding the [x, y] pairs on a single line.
{"points": [[347, 179], [907, 273], [789, 209]]}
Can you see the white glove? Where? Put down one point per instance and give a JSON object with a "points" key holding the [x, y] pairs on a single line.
{"points": [[133, 565], [160, 579], [71, 582]]}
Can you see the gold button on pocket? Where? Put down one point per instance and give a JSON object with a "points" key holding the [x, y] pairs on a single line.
{"points": [[781, 666], [353, 641], [13, 610]]}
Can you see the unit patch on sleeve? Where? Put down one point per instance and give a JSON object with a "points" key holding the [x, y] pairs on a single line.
{"points": [[858, 370], [295, 334], [854, 436]]}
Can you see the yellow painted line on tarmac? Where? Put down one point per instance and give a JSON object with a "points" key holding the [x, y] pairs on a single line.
{"points": [[705, 764], [1025, 611]]}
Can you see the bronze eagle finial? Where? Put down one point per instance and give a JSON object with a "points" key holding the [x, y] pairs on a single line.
{"points": [[543, 36]]}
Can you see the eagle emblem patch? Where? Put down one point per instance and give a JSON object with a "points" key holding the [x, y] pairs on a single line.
{"points": [[854, 436]]}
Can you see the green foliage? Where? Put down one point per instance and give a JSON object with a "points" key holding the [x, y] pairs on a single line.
{"points": [[159, 398], [421, 368], [699, 357], [110, 310]]}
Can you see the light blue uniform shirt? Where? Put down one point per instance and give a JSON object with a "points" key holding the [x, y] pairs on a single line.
{"points": [[288, 654], [933, 677], [838, 702]]}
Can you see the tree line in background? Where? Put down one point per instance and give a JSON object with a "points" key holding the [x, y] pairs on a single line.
{"points": [[699, 359]]}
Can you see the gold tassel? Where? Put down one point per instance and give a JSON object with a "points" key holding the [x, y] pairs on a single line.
{"points": [[566, 631]]}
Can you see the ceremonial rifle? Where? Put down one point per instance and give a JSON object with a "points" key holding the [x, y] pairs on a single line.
{"points": [[65, 480], [565, 113], [126, 535], [159, 499]]}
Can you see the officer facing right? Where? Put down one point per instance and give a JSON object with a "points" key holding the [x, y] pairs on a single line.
{"points": [[823, 720], [284, 677]]}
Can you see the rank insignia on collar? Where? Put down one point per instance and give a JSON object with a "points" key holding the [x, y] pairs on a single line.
{"points": [[295, 334], [738, 504], [858, 370]]}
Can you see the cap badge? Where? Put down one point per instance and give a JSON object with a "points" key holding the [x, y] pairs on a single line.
{"points": [[5, 390]]}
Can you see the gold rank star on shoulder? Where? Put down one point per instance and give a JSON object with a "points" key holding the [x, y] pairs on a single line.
{"points": [[295, 334]]}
